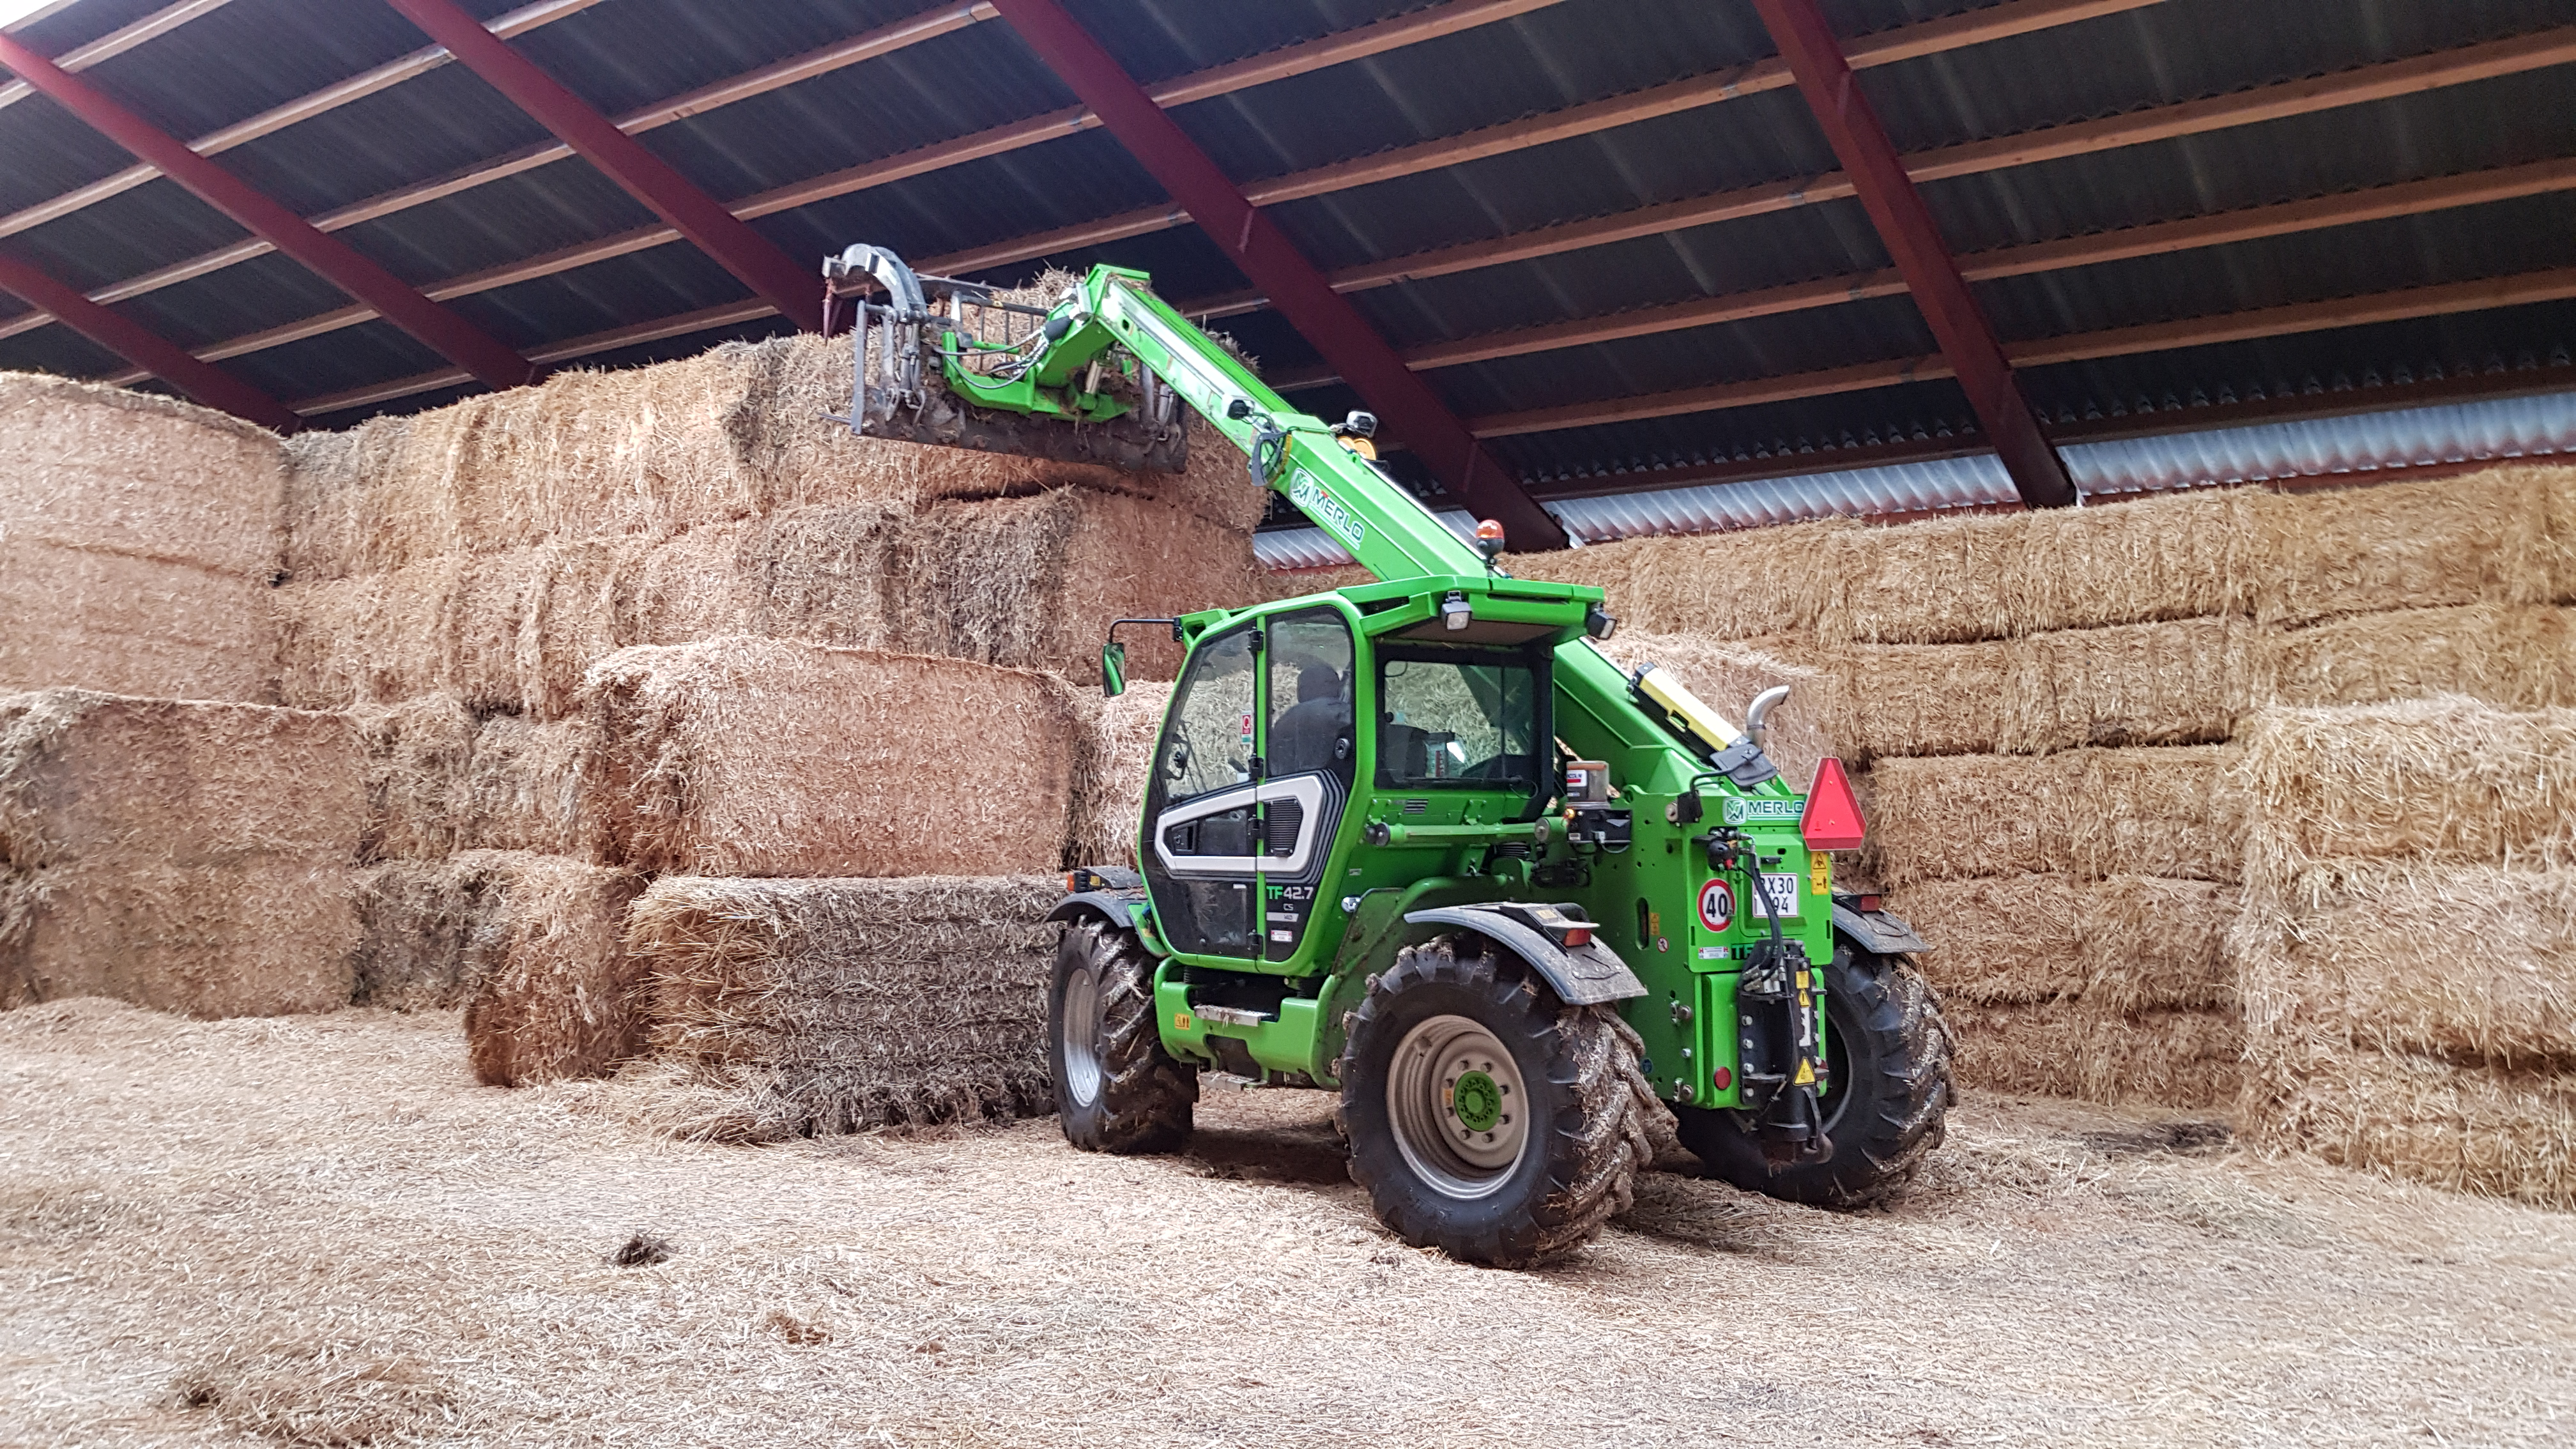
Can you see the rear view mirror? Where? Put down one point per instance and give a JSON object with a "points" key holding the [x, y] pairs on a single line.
{"points": [[1113, 669]]}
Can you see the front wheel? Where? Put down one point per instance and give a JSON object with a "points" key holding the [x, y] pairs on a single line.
{"points": [[1888, 1065], [1485, 1117], [1116, 1089]]}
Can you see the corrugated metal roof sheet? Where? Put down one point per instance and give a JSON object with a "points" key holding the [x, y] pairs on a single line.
{"points": [[2391, 441]]}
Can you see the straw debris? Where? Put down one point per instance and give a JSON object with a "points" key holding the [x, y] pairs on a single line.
{"points": [[805, 1007], [762, 757], [185, 856]]}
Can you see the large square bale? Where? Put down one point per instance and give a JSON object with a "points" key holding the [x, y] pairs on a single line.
{"points": [[2135, 561], [1925, 699], [763, 757], [799, 1007], [1958, 817], [551, 991], [2510, 655], [2502, 1131], [2446, 779], [112, 471], [120, 624], [1735, 585], [2481, 539], [1940, 581], [2127, 944], [2178, 683], [2091, 1052], [186, 856], [372, 638], [441, 779]]}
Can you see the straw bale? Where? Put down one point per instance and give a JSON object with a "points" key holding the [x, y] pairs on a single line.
{"points": [[126, 625], [1111, 771], [111, 471], [2130, 943], [1728, 676], [733, 433], [373, 639], [2000, 940], [1924, 699], [2557, 485], [1277, 584], [1958, 817], [553, 993], [2505, 654], [820, 1006], [415, 919], [763, 757], [2177, 683], [418, 753], [535, 786], [2090, 1052], [2165, 811], [2440, 779], [2471, 963], [1940, 581], [185, 856], [2135, 561], [1731, 585], [2482, 539], [2509, 1133]]}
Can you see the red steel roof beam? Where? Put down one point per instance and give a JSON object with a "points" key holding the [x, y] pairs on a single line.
{"points": [[1905, 224], [146, 349], [460, 341], [797, 292], [1300, 292]]}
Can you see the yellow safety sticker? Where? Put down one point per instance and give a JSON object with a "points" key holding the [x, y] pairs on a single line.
{"points": [[1180, 1021], [1820, 873], [1806, 1075]]}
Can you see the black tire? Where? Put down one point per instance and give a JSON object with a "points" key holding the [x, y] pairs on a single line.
{"points": [[1135, 1097], [1578, 1149], [1889, 1056]]}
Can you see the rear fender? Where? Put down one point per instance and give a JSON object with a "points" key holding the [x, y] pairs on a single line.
{"points": [[1881, 932], [1118, 908], [1586, 975]]}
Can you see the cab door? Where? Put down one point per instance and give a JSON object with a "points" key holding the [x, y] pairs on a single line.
{"points": [[1203, 838], [1309, 752]]}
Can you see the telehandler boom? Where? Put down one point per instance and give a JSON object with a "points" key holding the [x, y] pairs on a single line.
{"points": [[1420, 842]]}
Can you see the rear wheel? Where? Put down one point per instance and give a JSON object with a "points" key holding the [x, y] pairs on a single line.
{"points": [[1888, 1062], [1486, 1118], [1116, 1089]]}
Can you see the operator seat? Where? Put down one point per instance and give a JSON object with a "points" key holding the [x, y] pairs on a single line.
{"points": [[1303, 739]]}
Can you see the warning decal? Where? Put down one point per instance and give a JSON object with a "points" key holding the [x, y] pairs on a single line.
{"points": [[1717, 905]]}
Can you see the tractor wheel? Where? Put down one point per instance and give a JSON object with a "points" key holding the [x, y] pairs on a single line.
{"points": [[1887, 1055], [1116, 1089], [1485, 1117]]}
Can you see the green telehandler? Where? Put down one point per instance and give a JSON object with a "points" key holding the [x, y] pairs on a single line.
{"points": [[1419, 842]]}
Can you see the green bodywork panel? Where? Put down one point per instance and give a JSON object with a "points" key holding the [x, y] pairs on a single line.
{"points": [[1442, 851]]}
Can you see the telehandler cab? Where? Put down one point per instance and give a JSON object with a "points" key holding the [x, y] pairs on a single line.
{"points": [[1420, 843]]}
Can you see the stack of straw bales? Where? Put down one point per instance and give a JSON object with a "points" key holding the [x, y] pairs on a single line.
{"points": [[2046, 702], [2408, 951], [138, 540], [187, 856], [672, 620]]}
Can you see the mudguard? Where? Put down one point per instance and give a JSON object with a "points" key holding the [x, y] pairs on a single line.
{"points": [[1118, 906], [1585, 975], [1882, 932]]}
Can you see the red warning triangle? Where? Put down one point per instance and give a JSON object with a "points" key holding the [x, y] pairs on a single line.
{"points": [[1832, 821]]}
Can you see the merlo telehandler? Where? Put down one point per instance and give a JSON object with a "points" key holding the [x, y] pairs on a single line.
{"points": [[1420, 843]]}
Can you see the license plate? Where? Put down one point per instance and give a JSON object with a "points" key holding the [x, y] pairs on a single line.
{"points": [[1780, 891]]}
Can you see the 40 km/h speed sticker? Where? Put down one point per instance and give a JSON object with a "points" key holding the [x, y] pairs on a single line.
{"points": [[1717, 905]]}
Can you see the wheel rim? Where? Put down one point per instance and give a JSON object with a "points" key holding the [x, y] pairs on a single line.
{"points": [[1458, 1108], [1081, 1039]]}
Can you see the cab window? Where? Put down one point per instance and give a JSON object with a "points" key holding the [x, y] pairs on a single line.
{"points": [[1454, 719], [1209, 743]]}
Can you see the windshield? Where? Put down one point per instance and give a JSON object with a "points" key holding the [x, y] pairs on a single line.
{"points": [[1208, 745], [1456, 720]]}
